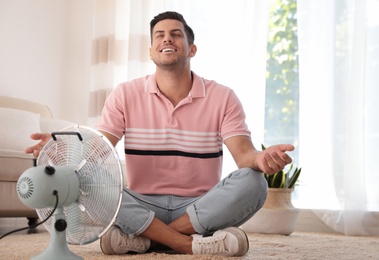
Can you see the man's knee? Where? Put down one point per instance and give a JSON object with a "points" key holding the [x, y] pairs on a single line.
{"points": [[251, 181], [251, 178], [239, 196]]}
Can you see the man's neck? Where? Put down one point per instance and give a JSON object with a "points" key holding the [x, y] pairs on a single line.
{"points": [[174, 85]]}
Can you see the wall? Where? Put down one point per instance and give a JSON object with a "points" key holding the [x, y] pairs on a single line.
{"points": [[43, 57]]}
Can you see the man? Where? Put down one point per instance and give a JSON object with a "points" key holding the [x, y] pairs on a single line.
{"points": [[174, 123]]}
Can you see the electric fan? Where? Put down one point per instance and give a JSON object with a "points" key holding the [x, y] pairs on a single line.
{"points": [[79, 181]]}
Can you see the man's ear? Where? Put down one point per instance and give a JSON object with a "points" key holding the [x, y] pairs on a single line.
{"points": [[193, 50], [150, 53]]}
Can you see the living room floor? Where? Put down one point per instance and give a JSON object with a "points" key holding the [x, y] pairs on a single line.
{"points": [[299, 245], [10, 224]]}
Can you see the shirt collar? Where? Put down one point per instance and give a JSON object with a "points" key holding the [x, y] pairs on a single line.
{"points": [[197, 91]]}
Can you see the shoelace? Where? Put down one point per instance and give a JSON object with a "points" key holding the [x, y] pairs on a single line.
{"points": [[131, 244], [212, 245]]}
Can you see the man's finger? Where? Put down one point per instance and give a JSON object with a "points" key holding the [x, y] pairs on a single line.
{"points": [[286, 147]]}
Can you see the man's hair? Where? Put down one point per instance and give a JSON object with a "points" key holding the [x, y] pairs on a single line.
{"points": [[173, 16]]}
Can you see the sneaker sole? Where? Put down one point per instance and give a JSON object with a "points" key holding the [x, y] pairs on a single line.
{"points": [[242, 238]]}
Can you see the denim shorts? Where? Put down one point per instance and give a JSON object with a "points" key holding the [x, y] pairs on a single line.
{"points": [[233, 201]]}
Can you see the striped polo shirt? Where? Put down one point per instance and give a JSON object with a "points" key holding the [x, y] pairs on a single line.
{"points": [[173, 150]]}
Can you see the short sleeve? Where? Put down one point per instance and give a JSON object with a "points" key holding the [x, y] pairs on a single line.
{"points": [[234, 123], [113, 114]]}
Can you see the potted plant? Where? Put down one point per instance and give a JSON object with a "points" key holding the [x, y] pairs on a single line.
{"points": [[278, 215]]}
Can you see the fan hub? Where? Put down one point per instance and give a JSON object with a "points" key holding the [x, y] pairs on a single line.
{"points": [[36, 186]]}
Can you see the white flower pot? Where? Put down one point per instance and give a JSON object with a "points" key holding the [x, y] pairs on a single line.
{"points": [[277, 216]]}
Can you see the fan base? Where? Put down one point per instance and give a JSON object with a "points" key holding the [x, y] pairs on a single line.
{"points": [[57, 248], [54, 254]]}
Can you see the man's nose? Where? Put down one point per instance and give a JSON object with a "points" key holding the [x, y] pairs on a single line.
{"points": [[167, 39]]}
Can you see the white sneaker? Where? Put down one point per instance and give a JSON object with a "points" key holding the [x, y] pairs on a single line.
{"points": [[114, 242], [230, 241]]}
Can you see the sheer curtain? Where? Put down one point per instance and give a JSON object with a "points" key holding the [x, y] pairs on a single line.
{"points": [[339, 126], [120, 41]]}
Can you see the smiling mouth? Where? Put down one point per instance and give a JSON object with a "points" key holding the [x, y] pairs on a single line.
{"points": [[165, 50]]}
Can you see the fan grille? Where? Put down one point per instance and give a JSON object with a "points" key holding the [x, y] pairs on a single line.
{"points": [[101, 182]]}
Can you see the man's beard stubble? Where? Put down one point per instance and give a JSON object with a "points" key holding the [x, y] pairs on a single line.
{"points": [[171, 66]]}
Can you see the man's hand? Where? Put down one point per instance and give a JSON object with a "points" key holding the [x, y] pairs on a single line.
{"points": [[274, 158], [43, 137]]}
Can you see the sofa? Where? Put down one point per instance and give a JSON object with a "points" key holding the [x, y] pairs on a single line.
{"points": [[19, 118]]}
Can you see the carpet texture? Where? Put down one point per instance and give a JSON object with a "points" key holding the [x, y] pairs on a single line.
{"points": [[296, 246]]}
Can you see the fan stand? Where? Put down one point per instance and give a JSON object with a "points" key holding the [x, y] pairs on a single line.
{"points": [[57, 248]]}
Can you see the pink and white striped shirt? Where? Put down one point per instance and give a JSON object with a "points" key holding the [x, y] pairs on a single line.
{"points": [[173, 150]]}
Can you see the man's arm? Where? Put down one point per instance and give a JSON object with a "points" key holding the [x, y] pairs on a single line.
{"points": [[269, 161], [113, 139]]}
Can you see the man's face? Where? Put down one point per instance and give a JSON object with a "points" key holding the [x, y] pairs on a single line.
{"points": [[170, 45]]}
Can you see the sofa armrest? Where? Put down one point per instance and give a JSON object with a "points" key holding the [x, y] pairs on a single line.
{"points": [[26, 105]]}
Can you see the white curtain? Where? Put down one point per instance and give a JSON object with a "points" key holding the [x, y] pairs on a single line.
{"points": [[339, 126], [120, 45]]}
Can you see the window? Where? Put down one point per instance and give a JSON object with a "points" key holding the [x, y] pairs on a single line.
{"points": [[281, 122]]}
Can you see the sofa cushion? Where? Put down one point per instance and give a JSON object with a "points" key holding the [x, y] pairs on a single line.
{"points": [[16, 127], [13, 164]]}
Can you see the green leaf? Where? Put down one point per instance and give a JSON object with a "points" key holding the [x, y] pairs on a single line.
{"points": [[278, 180], [270, 180], [287, 179], [294, 178]]}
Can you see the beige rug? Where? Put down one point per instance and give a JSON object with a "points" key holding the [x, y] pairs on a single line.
{"points": [[299, 245]]}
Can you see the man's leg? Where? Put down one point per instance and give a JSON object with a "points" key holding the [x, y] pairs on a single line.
{"points": [[232, 202], [236, 198], [183, 225], [240, 185], [166, 235]]}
